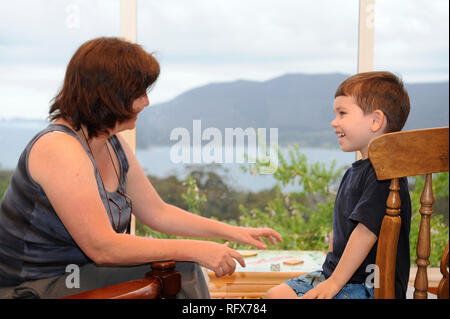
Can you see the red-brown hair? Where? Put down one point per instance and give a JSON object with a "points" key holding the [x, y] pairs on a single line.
{"points": [[103, 78], [379, 91]]}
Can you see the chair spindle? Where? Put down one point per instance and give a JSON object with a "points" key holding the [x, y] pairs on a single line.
{"points": [[424, 242]]}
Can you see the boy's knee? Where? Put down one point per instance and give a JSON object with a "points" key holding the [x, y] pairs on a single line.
{"points": [[281, 291], [271, 293]]}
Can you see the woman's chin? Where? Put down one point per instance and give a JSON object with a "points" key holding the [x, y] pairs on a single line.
{"points": [[129, 125]]}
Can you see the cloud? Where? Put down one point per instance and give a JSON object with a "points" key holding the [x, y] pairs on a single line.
{"points": [[40, 32], [411, 38], [234, 28], [208, 41], [36, 43], [198, 41]]}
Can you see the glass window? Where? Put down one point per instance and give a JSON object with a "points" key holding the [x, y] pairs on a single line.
{"points": [[229, 65], [411, 39], [37, 40]]}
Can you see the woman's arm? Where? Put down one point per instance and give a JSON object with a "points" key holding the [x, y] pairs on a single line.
{"points": [[162, 217], [68, 179], [358, 247]]}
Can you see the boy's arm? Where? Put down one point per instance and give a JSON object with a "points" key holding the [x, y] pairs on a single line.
{"points": [[330, 244], [358, 247]]}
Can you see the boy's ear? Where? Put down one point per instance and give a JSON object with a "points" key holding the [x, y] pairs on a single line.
{"points": [[378, 122]]}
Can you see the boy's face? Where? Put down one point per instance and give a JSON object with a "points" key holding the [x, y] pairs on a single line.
{"points": [[353, 128]]}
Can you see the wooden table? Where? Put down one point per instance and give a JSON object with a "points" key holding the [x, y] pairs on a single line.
{"points": [[262, 272], [266, 270]]}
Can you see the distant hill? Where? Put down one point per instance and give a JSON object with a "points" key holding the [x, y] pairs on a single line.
{"points": [[299, 105]]}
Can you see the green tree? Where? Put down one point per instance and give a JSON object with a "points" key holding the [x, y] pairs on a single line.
{"points": [[5, 177], [303, 217], [192, 196]]}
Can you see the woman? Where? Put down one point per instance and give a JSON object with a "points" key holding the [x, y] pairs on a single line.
{"points": [[77, 181]]}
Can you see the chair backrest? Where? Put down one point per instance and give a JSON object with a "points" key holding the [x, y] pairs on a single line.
{"points": [[403, 154]]}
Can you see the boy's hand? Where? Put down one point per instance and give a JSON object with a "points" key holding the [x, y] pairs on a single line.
{"points": [[358, 246], [325, 290]]}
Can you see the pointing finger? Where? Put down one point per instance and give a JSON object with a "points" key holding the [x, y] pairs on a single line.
{"points": [[236, 255]]}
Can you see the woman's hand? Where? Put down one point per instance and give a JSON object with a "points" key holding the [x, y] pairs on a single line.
{"points": [[253, 236], [217, 257]]}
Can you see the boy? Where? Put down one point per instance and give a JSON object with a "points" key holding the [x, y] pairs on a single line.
{"points": [[366, 105]]}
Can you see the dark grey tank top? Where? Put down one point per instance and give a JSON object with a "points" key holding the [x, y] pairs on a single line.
{"points": [[34, 243]]}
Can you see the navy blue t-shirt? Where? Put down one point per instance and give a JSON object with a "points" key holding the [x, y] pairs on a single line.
{"points": [[362, 199]]}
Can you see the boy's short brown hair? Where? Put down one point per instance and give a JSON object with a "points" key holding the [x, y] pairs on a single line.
{"points": [[379, 91], [103, 78]]}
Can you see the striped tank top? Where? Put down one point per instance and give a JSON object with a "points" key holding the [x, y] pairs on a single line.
{"points": [[34, 244]]}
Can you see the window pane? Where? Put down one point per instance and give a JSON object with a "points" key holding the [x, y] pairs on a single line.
{"points": [[411, 38], [37, 40], [245, 64]]}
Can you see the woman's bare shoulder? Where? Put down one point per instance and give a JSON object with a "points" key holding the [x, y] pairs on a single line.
{"points": [[55, 152]]}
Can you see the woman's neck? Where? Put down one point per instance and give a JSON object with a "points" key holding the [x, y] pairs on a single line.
{"points": [[96, 143]]}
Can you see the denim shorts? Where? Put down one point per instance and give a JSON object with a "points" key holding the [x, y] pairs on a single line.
{"points": [[306, 282]]}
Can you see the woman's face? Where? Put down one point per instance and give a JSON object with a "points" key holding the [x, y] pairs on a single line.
{"points": [[138, 105]]}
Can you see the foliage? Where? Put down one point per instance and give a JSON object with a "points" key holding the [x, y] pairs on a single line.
{"points": [[5, 177], [303, 217], [221, 201], [192, 197]]}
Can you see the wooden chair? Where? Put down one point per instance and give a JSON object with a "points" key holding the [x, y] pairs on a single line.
{"points": [[162, 282], [402, 154]]}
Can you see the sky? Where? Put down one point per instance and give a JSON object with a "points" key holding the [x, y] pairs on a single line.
{"points": [[203, 41]]}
